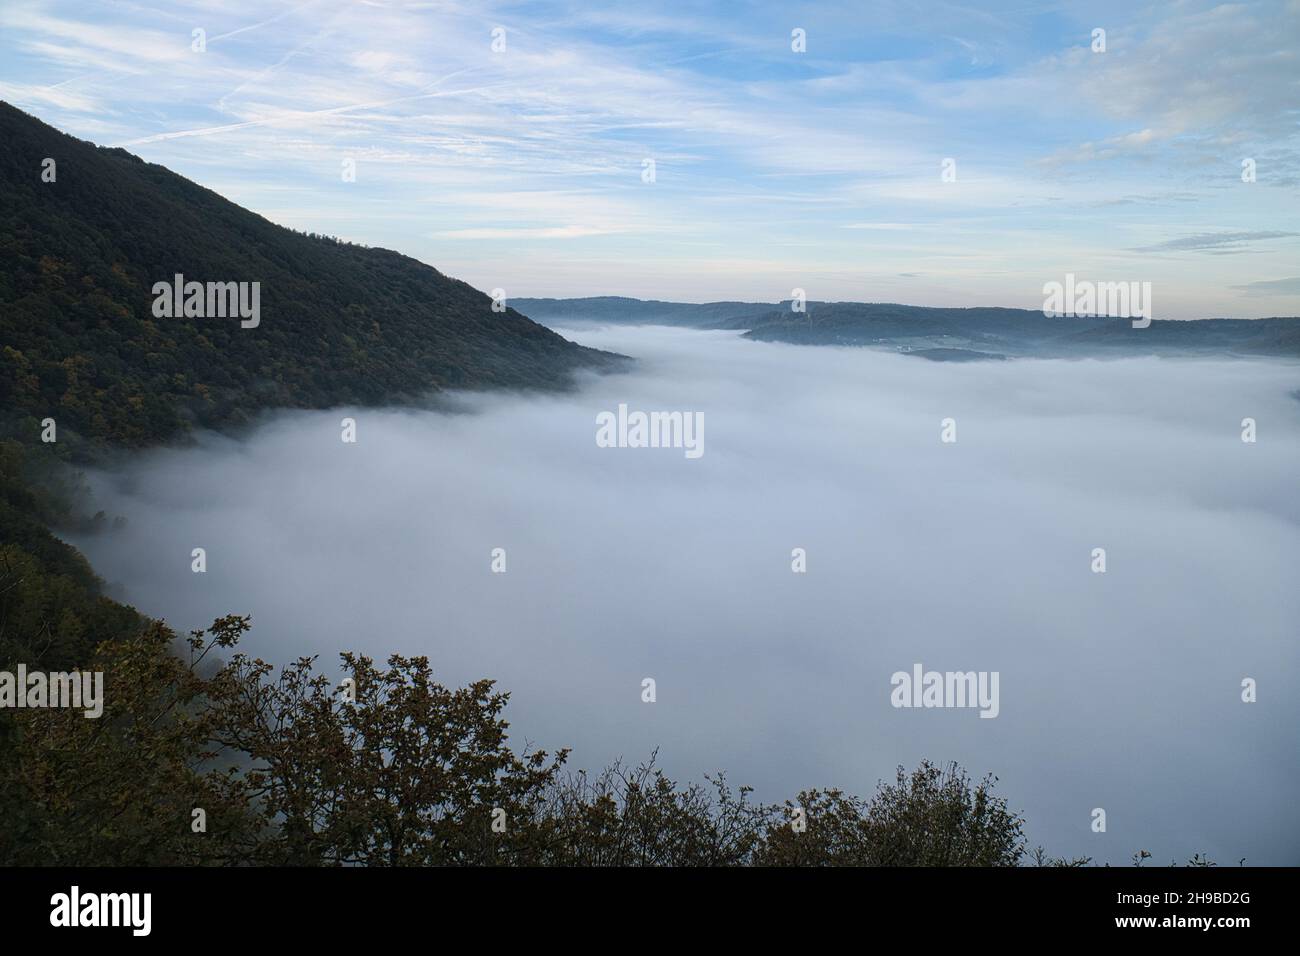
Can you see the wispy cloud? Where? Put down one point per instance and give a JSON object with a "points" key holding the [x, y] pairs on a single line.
{"points": [[1272, 287], [1216, 241], [555, 232]]}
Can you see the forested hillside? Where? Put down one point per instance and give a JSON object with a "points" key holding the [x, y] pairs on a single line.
{"points": [[339, 323]]}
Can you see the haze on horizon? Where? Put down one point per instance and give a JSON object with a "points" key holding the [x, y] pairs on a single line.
{"points": [[523, 169]]}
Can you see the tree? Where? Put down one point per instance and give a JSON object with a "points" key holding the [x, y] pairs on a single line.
{"points": [[933, 817], [639, 817], [121, 789], [389, 769]]}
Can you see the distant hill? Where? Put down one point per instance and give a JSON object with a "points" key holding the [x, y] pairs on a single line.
{"points": [[339, 323], [1272, 336], [620, 309], [949, 334], [1022, 332], [954, 355], [1008, 331]]}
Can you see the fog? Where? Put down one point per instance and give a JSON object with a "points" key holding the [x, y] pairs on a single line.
{"points": [[1120, 690]]}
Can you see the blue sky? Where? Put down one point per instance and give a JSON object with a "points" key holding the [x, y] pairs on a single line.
{"points": [[523, 168]]}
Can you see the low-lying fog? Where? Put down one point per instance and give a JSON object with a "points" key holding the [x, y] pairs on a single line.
{"points": [[1119, 690]]}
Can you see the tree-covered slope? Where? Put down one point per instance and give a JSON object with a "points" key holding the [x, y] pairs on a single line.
{"points": [[339, 323]]}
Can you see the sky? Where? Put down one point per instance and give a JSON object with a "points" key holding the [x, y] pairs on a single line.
{"points": [[524, 167], [1119, 690]]}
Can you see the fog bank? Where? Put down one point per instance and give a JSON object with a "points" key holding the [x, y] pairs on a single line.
{"points": [[1119, 690]]}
